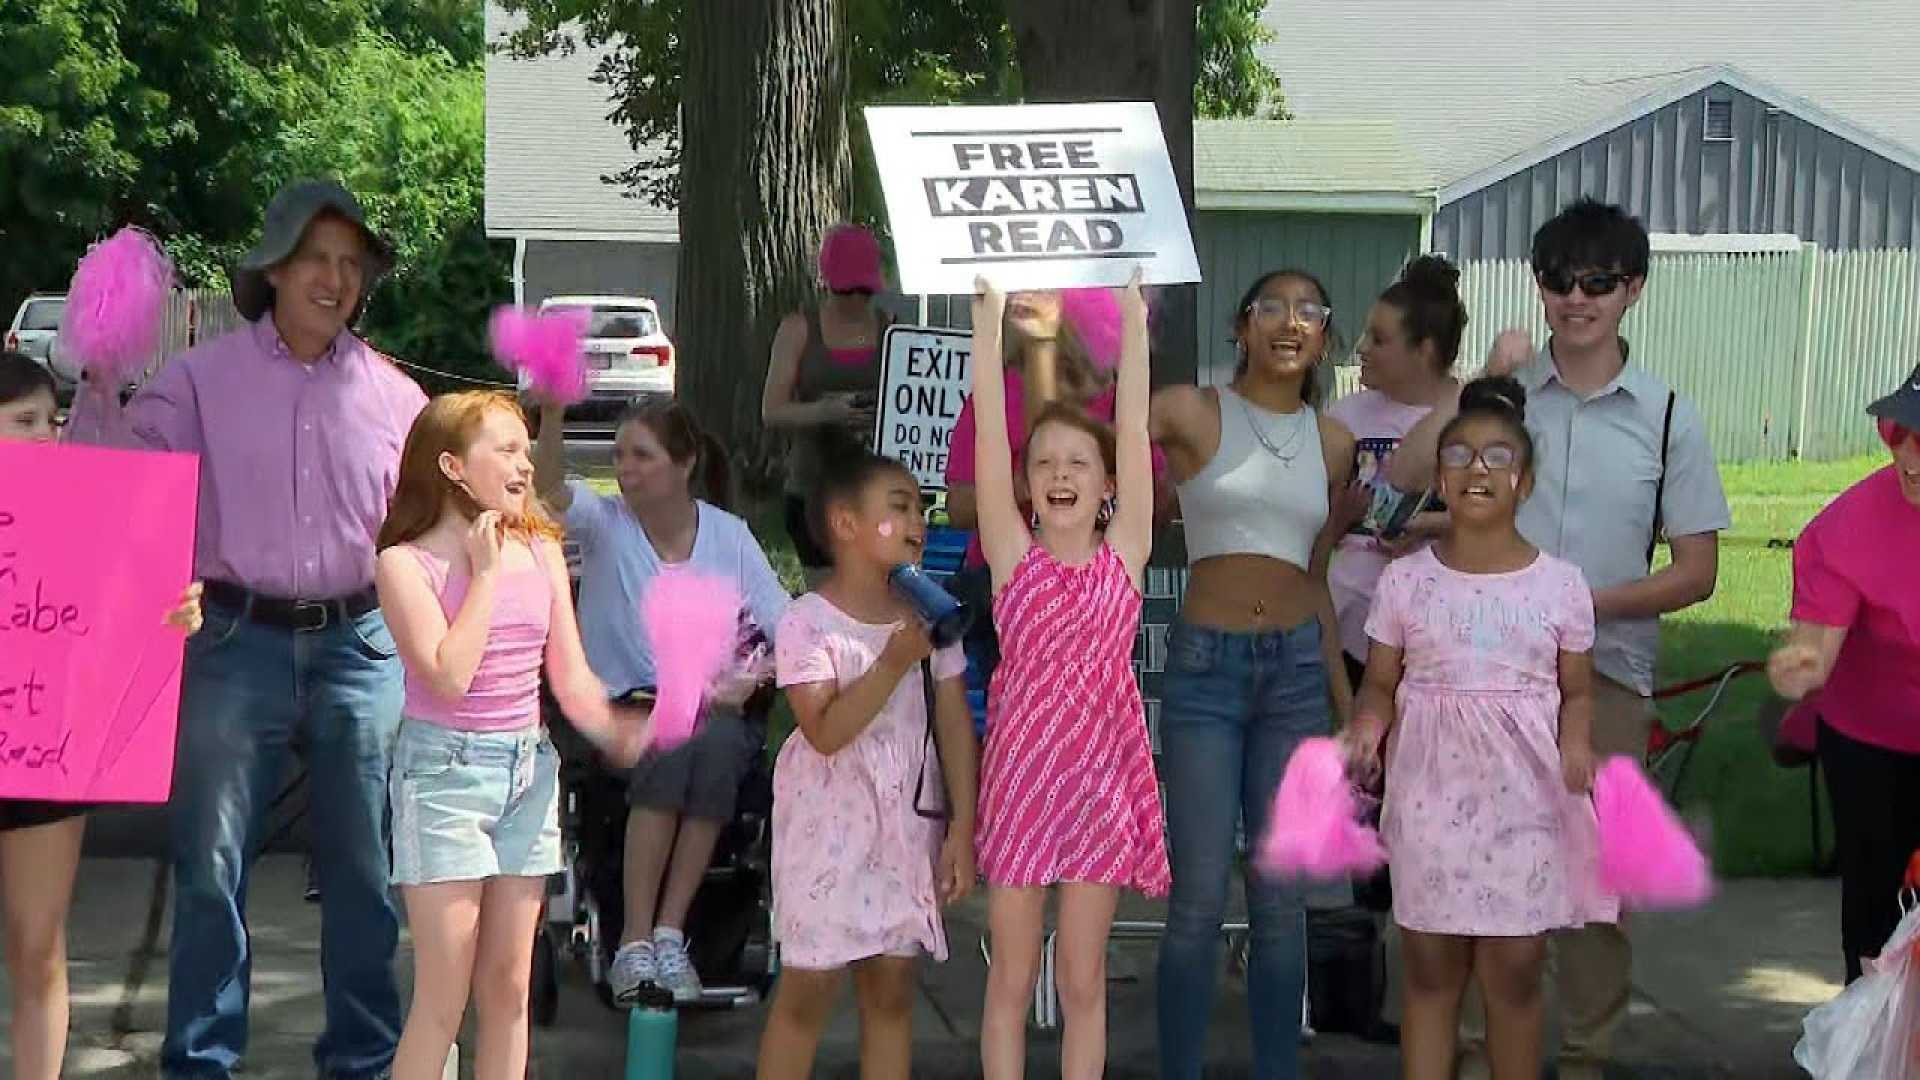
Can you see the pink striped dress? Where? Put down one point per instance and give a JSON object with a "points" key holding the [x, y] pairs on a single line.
{"points": [[1067, 788]]}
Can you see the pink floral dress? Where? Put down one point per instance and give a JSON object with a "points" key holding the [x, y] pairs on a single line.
{"points": [[1483, 837], [853, 862]]}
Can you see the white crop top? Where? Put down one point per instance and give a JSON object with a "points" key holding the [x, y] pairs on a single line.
{"points": [[1265, 490]]}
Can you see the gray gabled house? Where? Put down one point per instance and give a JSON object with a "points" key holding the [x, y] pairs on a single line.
{"points": [[549, 144], [1699, 116]]}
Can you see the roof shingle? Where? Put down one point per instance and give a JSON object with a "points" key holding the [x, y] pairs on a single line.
{"points": [[1469, 84], [548, 145]]}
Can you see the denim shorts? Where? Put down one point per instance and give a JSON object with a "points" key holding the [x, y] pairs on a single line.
{"points": [[470, 805]]}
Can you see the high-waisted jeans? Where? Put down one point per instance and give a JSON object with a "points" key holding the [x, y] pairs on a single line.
{"points": [[1233, 708]]}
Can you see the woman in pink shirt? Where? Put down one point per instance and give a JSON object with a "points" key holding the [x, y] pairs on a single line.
{"points": [[475, 588], [1854, 652]]}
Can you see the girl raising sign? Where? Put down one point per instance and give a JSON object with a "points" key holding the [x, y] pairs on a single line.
{"points": [[1068, 797]]}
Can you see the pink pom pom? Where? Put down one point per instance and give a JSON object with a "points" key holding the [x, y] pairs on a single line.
{"points": [[547, 347], [1647, 857], [1094, 315], [116, 305], [693, 622], [1315, 828]]}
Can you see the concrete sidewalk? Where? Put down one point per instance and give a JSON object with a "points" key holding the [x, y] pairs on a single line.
{"points": [[1718, 993]]}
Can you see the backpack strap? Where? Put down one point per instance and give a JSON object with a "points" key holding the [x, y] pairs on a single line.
{"points": [[1660, 486]]}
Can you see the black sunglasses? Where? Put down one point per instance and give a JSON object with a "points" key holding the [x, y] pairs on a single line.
{"points": [[1599, 283]]}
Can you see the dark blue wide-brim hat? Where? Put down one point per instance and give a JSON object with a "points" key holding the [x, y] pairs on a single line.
{"points": [[289, 216]]}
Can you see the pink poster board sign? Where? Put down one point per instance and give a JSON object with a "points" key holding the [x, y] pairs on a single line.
{"points": [[95, 548]]}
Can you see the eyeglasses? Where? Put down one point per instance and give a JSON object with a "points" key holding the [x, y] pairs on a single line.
{"points": [[1563, 281], [1893, 434], [1272, 310], [1497, 458]]}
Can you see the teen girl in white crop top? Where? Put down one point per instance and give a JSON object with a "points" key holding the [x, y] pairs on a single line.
{"points": [[1253, 661]]}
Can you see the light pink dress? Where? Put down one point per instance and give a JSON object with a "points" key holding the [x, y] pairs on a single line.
{"points": [[1482, 835], [853, 861]]}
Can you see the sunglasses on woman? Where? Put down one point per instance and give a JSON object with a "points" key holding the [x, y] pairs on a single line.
{"points": [[1596, 284], [1497, 458]]}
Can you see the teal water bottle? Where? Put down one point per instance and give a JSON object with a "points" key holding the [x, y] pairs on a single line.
{"points": [[652, 1031]]}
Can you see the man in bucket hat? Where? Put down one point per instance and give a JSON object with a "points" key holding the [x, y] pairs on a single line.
{"points": [[299, 426]]}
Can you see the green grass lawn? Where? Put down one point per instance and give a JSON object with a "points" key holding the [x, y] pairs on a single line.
{"points": [[1758, 813]]}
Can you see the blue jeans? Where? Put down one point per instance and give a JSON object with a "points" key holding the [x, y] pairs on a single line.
{"points": [[1233, 706], [249, 693]]}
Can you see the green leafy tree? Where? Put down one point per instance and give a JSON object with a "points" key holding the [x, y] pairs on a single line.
{"points": [[455, 27], [406, 132], [1231, 79], [184, 116], [61, 148], [900, 51], [931, 51]]}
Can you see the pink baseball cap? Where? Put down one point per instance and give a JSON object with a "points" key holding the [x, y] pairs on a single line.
{"points": [[850, 260]]}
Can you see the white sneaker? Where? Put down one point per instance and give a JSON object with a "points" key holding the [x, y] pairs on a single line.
{"points": [[672, 967], [634, 966]]}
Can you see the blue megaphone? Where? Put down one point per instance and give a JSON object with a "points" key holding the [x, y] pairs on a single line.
{"points": [[947, 619]]}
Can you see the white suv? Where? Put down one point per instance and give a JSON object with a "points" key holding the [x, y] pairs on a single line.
{"points": [[628, 354], [35, 326]]}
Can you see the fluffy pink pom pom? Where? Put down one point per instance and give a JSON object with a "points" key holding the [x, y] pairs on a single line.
{"points": [[1315, 829], [693, 622], [116, 305], [547, 347], [1647, 857], [1094, 315]]}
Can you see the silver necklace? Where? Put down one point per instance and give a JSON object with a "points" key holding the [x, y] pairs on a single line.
{"points": [[1287, 451]]}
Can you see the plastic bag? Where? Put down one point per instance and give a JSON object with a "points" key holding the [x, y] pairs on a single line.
{"points": [[1872, 1030]]}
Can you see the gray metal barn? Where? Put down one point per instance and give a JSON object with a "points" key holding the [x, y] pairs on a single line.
{"points": [[1699, 116], [1710, 151]]}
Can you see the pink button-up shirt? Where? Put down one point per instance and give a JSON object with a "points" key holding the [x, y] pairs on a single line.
{"points": [[297, 461]]}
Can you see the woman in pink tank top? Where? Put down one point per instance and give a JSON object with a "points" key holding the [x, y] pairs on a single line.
{"points": [[823, 376], [474, 587]]}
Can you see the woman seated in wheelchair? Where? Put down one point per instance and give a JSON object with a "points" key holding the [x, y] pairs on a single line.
{"points": [[680, 799], [866, 849]]}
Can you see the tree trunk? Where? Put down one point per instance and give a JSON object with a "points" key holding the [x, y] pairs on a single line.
{"points": [[1124, 50], [764, 172]]}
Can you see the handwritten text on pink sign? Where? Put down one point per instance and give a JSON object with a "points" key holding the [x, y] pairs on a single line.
{"points": [[95, 548]]}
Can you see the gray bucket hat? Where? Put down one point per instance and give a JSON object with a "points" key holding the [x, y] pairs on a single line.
{"points": [[1902, 406], [289, 214]]}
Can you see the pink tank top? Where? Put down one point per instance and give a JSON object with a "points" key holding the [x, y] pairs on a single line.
{"points": [[505, 692]]}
